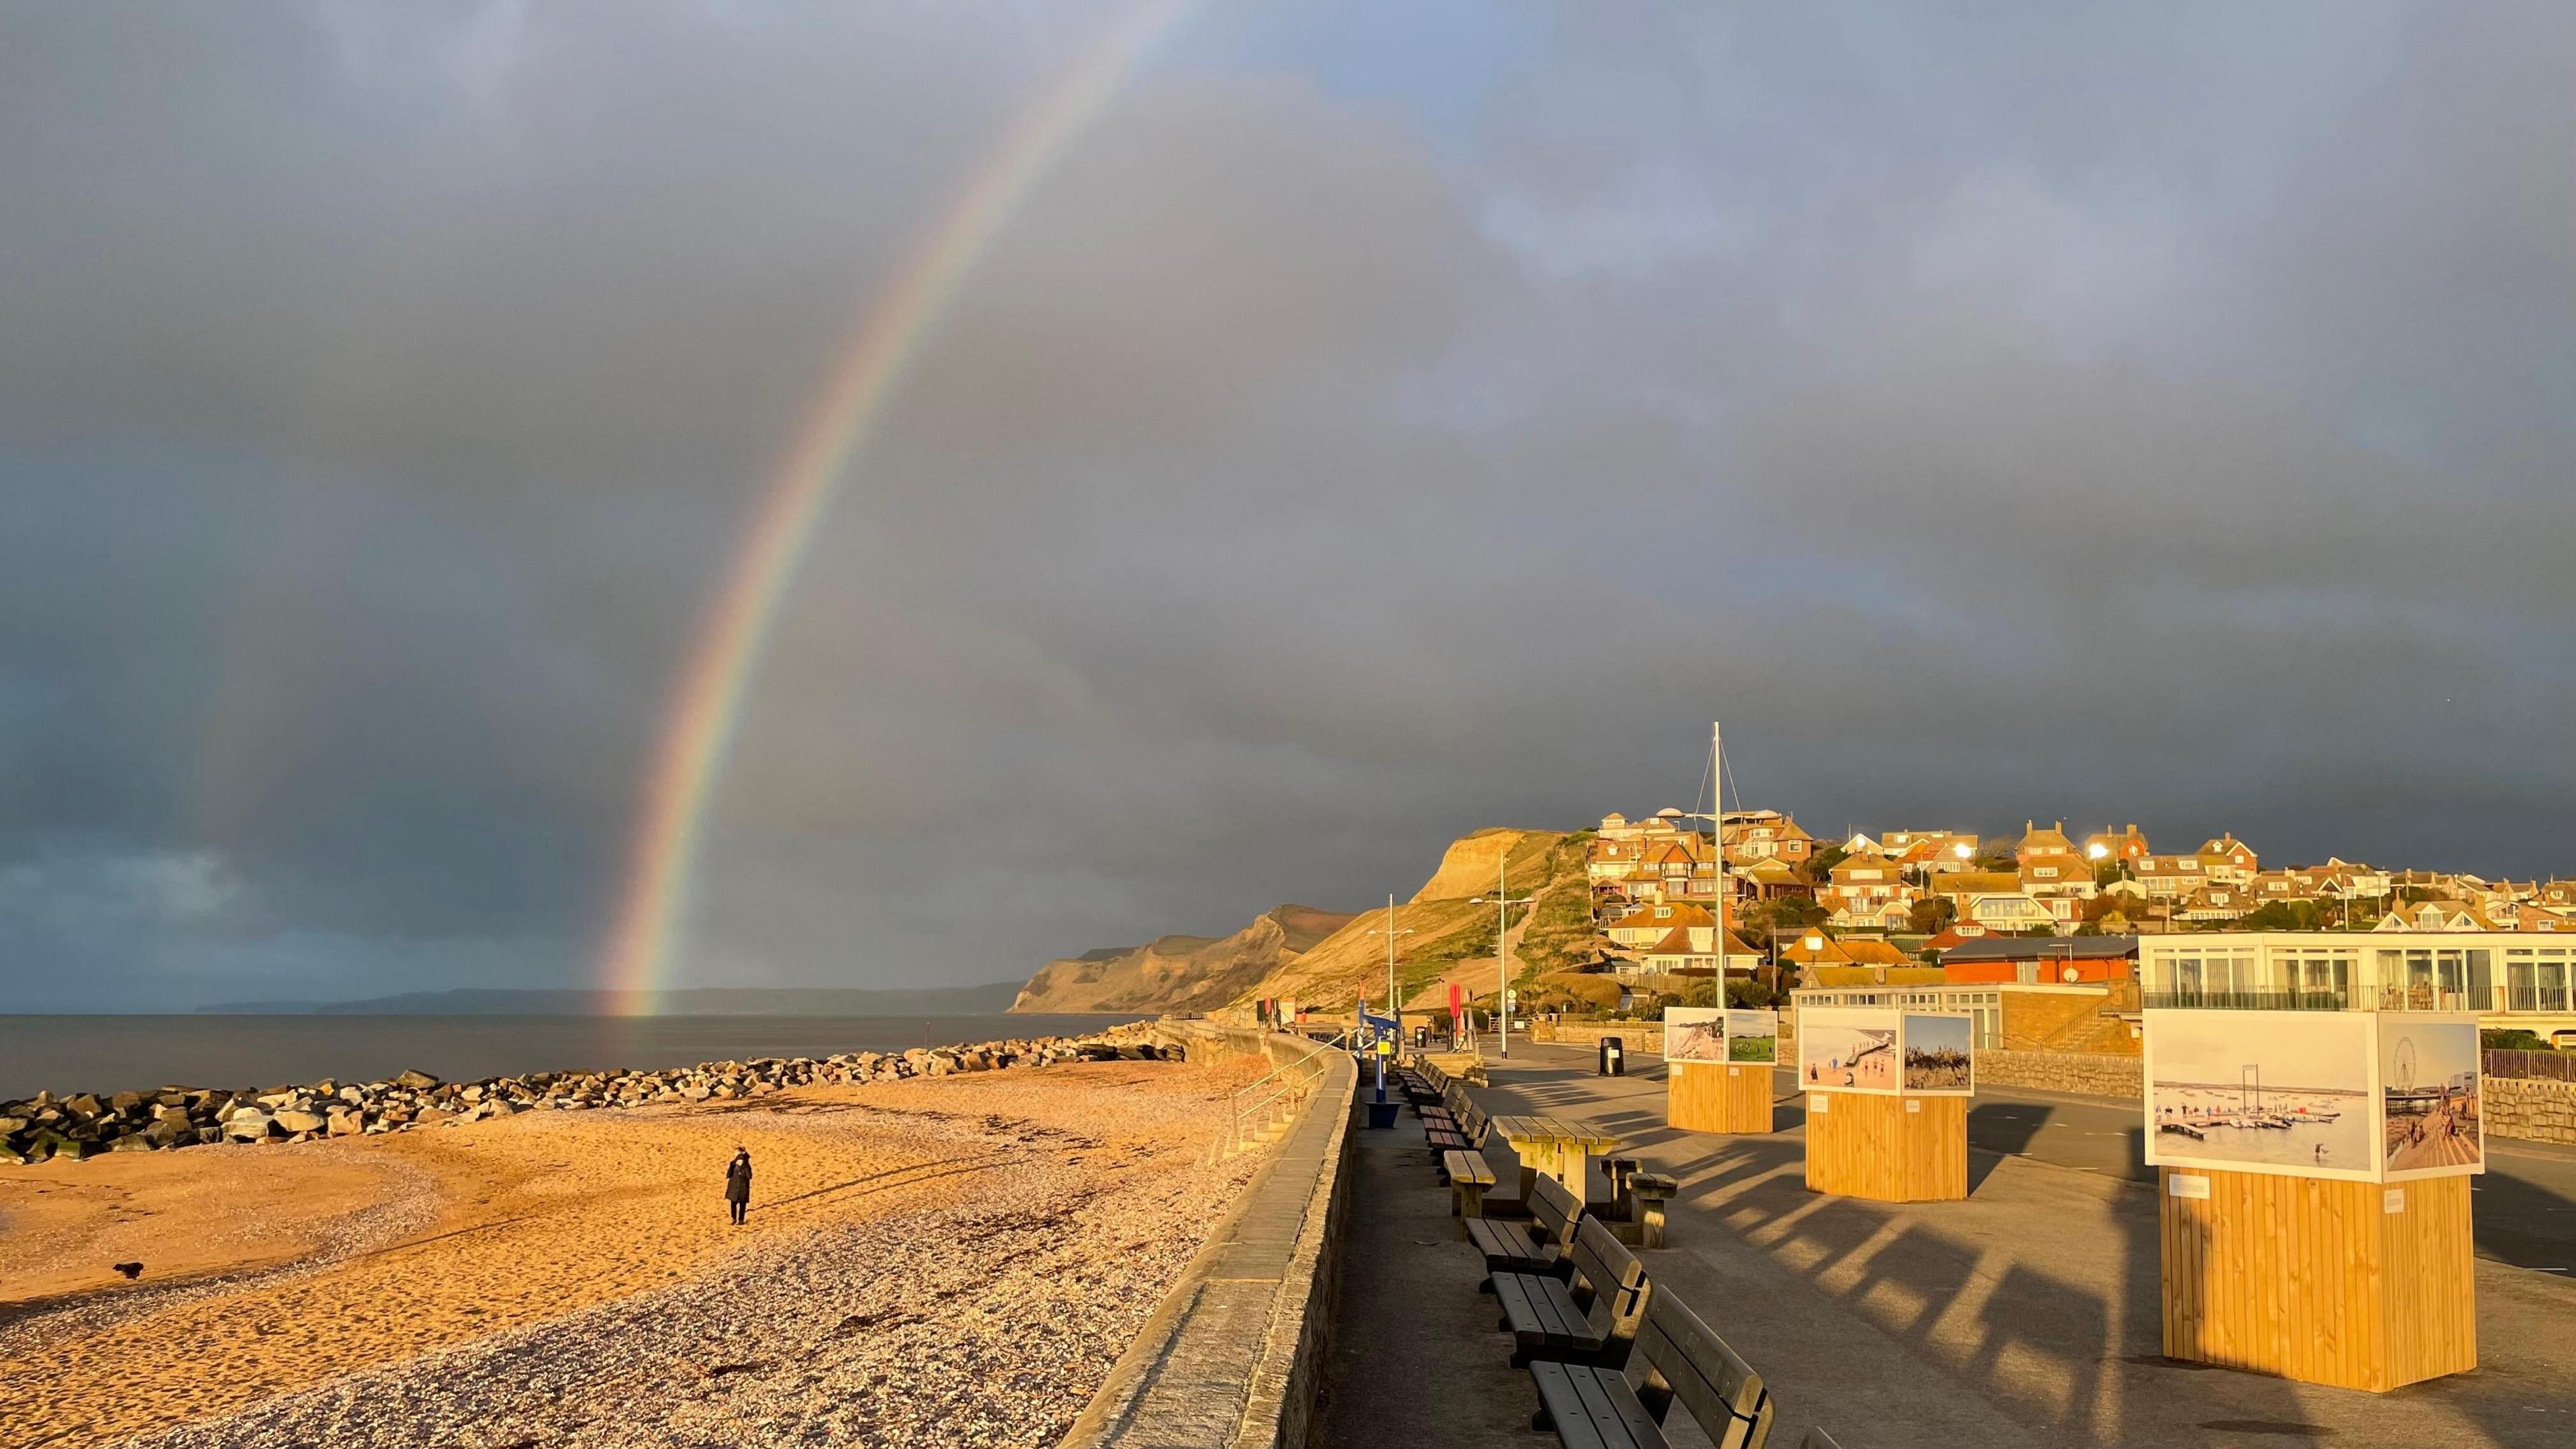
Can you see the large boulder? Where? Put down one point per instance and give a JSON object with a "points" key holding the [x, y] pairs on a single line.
{"points": [[417, 1080], [293, 1121]]}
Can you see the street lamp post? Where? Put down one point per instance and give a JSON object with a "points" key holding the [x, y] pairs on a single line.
{"points": [[1394, 1009], [1503, 904]]}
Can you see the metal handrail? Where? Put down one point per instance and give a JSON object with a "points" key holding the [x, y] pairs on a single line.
{"points": [[1237, 1110]]}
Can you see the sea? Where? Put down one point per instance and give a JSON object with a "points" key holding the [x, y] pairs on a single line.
{"points": [[67, 1054]]}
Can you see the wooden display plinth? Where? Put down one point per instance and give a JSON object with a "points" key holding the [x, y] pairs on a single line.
{"points": [[2354, 1284], [1719, 1097], [1891, 1149]]}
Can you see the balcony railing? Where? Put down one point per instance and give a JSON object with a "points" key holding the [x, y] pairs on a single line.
{"points": [[2249, 1000]]}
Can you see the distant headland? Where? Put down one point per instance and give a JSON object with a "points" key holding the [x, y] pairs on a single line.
{"points": [[706, 1001]]}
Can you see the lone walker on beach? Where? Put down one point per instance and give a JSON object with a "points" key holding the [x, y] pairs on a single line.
{"points": [[738, 1183]]}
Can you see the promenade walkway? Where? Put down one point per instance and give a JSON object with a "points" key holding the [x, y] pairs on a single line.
{"points": [[2026, 1316]]}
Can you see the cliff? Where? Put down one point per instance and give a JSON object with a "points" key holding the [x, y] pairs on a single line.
{"points": [[1327, 959], [1179, 973]]}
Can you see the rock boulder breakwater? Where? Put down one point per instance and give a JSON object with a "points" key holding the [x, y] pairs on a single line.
{"points": [[75, 1127]]}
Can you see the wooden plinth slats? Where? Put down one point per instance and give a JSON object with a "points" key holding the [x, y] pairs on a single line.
{"points": [[1872, 1147], [2315, 1280], [1719, 1097]]}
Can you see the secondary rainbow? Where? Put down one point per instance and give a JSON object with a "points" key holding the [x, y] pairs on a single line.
{"points": [[652, 897]]}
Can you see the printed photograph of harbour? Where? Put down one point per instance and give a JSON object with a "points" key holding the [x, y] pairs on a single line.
{"points": [[2282, 1090]]}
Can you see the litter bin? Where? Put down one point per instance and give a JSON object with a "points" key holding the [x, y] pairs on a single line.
{"points": [[1614, 1058]]}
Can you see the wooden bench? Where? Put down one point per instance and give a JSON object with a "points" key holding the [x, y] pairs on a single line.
{"points": [[1547, 1320], [1469, 1176], [1591, 1406], [1463, 1131], [1537, 1246]]}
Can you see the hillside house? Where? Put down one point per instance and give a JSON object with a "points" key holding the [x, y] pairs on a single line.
{"points": [[1813, 948], [2284, 886], [1892, 916], [2227, 859], [1612, 858], [1693, 950], [2436, 915], [2169, 877], [1759, 835], [2127, 845], [2045, 843], [2213, 903], [2006, 911], [2066, 878], [1934, 850], [1652, 923], [1770, 879], [1863, 883]]}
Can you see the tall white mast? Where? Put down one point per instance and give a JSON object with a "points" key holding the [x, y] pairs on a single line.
{"points": [[1717, 843]]}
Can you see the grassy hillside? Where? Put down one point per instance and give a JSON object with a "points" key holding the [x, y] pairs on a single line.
{"points": [[1445, 929]]}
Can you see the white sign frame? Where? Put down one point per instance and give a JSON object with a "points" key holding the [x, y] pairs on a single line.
{"points": [[2369, 1031], [1814, 1020]]}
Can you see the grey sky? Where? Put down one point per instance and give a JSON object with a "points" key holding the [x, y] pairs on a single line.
{"points": [[1374, 427]]}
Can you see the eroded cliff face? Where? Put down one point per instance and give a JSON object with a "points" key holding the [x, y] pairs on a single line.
{"points": [[1319, 957], [1180, 973], [1467, 867]]}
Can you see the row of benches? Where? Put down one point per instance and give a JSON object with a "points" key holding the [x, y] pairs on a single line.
{"points": [[1578, 1305]]}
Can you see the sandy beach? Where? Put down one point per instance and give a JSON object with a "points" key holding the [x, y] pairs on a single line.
{"points": [[952, 1260]]}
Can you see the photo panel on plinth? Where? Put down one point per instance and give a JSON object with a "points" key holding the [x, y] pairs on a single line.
{"points": [[1717, 1064], [2313, 1202], [1887, 1101]]}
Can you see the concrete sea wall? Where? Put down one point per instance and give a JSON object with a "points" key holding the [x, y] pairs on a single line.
{"points": [[1233, 1354], [1635, 1037], [2084, 1073], [2533, 1109]]}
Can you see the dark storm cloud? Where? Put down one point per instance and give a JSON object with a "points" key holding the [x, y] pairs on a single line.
{"points": [[2149, 416]]}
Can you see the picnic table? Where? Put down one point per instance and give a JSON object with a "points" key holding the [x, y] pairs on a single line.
{"points": [[1556, 1146]]}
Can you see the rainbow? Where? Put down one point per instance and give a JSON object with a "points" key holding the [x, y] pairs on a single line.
{"points": [[652, 898]]}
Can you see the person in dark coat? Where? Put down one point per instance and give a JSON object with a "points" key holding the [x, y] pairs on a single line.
{"points": [[738, 1183]]}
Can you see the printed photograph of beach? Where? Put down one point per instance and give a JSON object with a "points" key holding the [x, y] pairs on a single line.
{"points": [[2428, 1087], [1856, 1052], [2266, 1091], [1937, 1054], [1694, 1034]]}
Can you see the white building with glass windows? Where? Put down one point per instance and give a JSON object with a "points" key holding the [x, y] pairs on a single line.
{"points": [[2510, 978]]}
